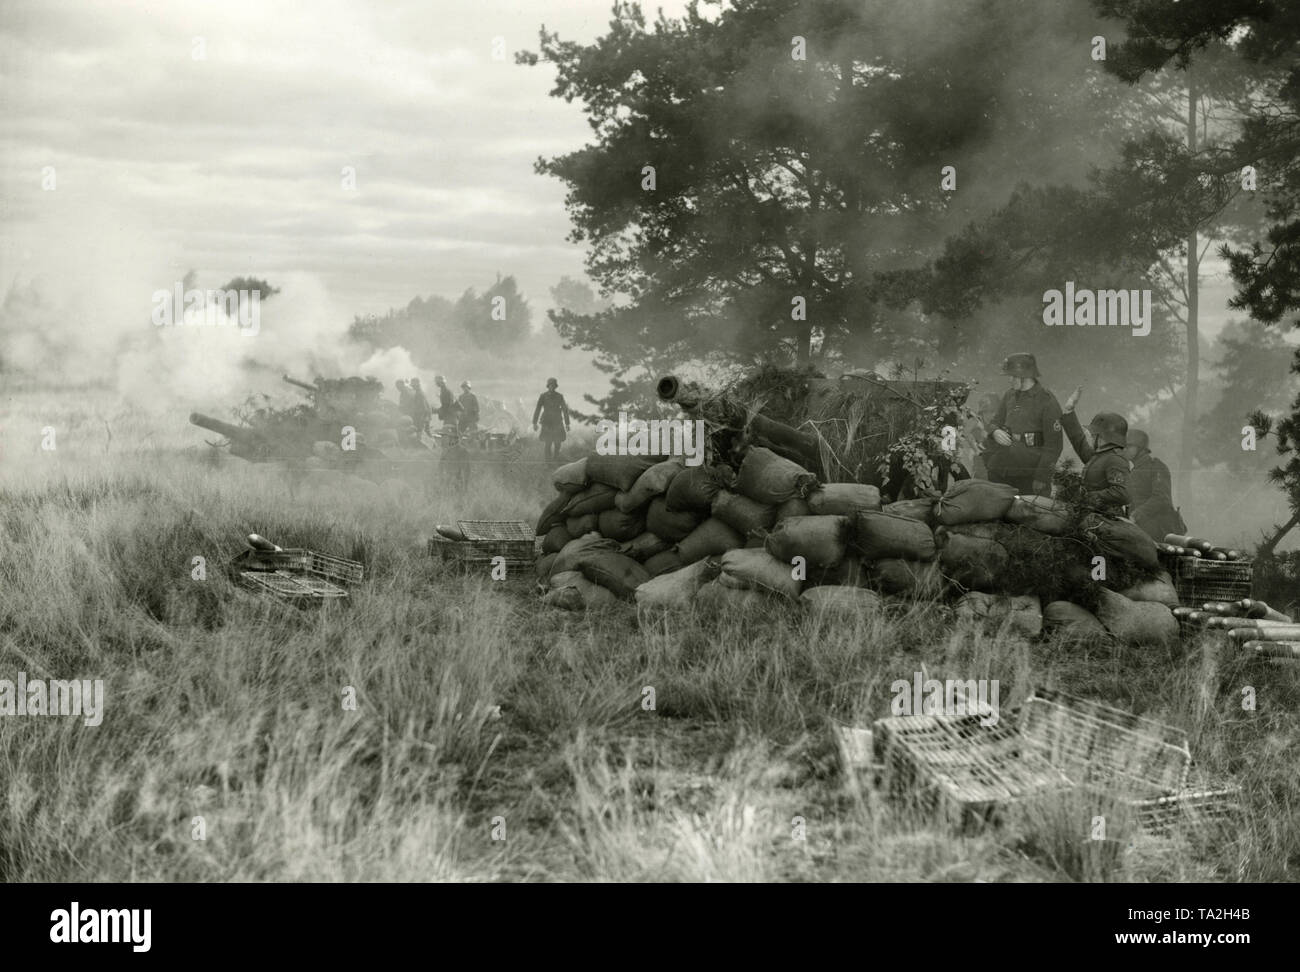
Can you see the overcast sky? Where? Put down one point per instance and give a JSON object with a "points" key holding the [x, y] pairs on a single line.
{"points": [[232, 164]]}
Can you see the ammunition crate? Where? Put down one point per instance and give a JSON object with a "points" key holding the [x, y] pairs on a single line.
{"points": [[512, 540], [1198, 580], [299, 577]]}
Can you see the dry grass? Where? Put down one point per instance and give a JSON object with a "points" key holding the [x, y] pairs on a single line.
{"points": [[226, 707]]}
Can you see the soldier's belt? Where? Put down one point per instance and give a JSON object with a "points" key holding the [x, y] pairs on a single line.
{"points": [[1027, 438]]}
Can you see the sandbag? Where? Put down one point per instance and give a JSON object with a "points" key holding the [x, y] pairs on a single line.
{"points": [[555, 539], [716, 598], [620, 526], [974, 501], [580, 526], [882, 536], [644, 546], [845, 603], [795, 506], [596, 498], [1039, 513], [914, 509], [673, 527], [651, 483], [569, 557], [749, 568], [1021, 614], [1120, 537], [972, 562], [677, 588], [613, 571], [553, 515], [712, 538], [822, 541], [663, 562], [590, 595], [1159, 590], [1140, 623], [543, 566], [1072, 622], [913, 578], [768, 478], [620, 472], [695, 486], [741, 513], [757, 540], [849, 572], [571, 477], [843, 499]]}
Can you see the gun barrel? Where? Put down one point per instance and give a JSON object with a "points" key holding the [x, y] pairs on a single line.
{"points": [[232, 432], [298, 384]]}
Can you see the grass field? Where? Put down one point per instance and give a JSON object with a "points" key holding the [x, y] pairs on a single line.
{"points": [[493, 739]]}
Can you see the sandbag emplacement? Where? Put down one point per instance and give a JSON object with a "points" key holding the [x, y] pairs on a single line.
{"points": [[596, 498], [589, 595], [571, 477], [974, 501], [1140, 623], [673, 527], [1040, 513], [844, 499], [842, 603], [620, 526], [1072, 622], [741, 513], [580, 526], [768, 478], [822, 541], [553, 515], [644, 546], [613, 571], [651, 483], [883, 536], [914, 509], [912, 578], [568, 558], [662, 563], [750, 569], [712, 538], [555, 540], [1021, 614], [1159, 590], [973, 562], [716, 598], [620, 472], [695, 486], [676, 589]]}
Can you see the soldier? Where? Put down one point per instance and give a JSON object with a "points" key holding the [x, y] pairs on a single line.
{"points": [[419, 410], [555, 418], [447, 407], [1026, 438], [1150, 489], [403, 397], [468, 409], [1105, 470]]}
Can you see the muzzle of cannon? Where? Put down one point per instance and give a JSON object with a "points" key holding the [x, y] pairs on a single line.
{"points": [[299, 384], [244, 443], [801, 447]]}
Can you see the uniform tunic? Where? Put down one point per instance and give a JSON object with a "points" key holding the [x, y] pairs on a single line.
{"points": [[1105, 470], [1032, 418], [468, 412], [1151, 497], [554, 415]]}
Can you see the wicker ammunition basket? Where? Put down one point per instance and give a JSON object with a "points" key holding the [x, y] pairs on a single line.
{"points": [[299, 577], [959, 768], [1198, 580], [1201, 808], [485, 540]]}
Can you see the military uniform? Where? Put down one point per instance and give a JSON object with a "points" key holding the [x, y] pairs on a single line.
{"points": [[1151, 497], [1032, 419], [1105, 470], [468, 412]]}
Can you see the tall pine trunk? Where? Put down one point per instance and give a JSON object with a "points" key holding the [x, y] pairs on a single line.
{"points": [[1192, 393]]}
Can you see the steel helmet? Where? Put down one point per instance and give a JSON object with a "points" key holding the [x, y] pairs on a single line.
{"points": [[1109, 428], [465, 384], [1020, 366], [552, 383], [1138, 439]]}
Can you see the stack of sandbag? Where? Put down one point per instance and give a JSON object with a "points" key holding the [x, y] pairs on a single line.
{"points": [[1019, 614]]}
